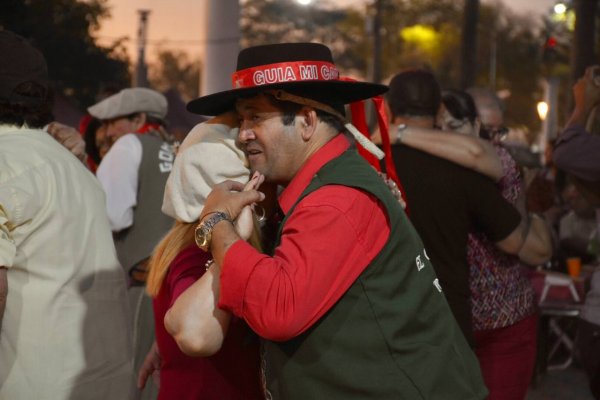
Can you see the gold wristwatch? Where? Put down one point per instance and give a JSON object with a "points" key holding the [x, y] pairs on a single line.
{"points": [[203, 232]]}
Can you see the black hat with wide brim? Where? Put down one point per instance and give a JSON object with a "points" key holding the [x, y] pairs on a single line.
{"points": [[278, 67]]}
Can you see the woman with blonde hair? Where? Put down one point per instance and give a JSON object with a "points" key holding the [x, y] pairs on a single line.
{"points": [[223, 362]]}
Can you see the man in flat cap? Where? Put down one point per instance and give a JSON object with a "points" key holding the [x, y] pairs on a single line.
{"points": [[63, 306], [133, 174], [348, 304]]}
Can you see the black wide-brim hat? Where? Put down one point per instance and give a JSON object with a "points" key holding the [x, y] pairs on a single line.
{"points": [[303, 69]]}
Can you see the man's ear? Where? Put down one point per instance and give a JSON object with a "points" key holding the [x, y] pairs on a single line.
{"points": [[308, 123], [139, 120]]}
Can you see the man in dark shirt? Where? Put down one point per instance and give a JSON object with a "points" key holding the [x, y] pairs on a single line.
{"points": [[446, 201]]}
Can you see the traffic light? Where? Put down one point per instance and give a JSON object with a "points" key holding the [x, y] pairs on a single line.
{"points": [[549, 52]]}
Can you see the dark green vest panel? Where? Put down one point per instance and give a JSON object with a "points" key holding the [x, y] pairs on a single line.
{"points": [[391, 335], [136, 243]]}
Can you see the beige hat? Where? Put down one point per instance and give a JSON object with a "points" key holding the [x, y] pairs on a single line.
{"points": [[130, 101], [207, 156]]}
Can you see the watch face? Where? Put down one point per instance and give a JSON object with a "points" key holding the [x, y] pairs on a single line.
{"points": [[202, 237], [203, 232]]}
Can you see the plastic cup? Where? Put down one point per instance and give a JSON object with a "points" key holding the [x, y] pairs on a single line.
{"points": [[574, 266]]}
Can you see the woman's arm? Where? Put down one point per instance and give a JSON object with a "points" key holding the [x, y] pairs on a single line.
{"points": [[537, 247], [195, 322], [468, 151]]}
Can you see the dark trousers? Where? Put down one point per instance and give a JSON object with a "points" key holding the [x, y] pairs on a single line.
{"points": [[588, 347]]}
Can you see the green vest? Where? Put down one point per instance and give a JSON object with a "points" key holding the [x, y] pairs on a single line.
{"points": [[136, 243], [391, 335]]}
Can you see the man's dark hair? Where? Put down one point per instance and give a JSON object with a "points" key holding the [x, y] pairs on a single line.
{"points": [[290, 109], [460, 104], [414, 93], [156, 121], [149, 119], [35, 109], [89, 136]]}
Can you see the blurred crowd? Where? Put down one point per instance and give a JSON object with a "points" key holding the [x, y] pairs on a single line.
{"points": [[272, 254]]}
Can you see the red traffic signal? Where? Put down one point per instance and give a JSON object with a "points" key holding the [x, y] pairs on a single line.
{"points": [[550, 43]]}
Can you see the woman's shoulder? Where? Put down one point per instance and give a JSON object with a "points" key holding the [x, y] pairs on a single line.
{"points": [[191, 257]]}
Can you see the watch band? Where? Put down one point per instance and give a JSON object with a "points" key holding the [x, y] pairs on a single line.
{"points": [[401, 129], [203, 232], [216, 217]]}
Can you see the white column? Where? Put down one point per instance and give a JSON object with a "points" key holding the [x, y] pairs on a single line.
{"points": [[550, 125], [550, 122], [222, 38]]}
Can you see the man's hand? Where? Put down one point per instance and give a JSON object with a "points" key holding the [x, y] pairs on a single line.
{"points": [[586, 95], [230, 198], [150, 368], [69, 137]]}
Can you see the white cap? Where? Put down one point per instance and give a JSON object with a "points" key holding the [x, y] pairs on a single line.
{"points": [[207, 156]]}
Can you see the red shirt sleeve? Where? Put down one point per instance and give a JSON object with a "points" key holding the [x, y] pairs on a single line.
{"points": [[186, 268], [329, 239]]}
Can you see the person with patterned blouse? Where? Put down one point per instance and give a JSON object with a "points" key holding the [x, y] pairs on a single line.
{"points": [[502, 298]]}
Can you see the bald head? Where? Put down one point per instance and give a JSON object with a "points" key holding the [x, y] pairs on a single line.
{"points": [[489, 108]]}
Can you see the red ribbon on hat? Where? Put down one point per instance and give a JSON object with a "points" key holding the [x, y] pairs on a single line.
{"points": [[359, 120], [284, 72]]}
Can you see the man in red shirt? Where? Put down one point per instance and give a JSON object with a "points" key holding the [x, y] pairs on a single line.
{"points": [[348, 304]]}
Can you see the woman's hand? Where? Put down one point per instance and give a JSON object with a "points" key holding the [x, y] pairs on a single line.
{"points": [[244, 224], [150, 368], [229, 118]]}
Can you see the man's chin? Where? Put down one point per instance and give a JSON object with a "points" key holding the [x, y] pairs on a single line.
{"points": [[260, 170], [255, 166]]}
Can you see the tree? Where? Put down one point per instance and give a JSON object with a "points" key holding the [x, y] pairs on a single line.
{"points": [[174, 70], [517, 68], [268, 21], [468, 50], [438, 25], [63, 31], [584, 51], [415, 33]]}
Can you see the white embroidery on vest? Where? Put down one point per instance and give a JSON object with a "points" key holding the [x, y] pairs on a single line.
{"points": [[165, 154], [420, 263]]}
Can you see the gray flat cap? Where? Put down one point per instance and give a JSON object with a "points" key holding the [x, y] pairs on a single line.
{"points": [[129, 101]]}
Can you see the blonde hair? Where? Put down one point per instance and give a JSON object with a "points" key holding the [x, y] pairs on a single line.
{"points": [[180, 236]]}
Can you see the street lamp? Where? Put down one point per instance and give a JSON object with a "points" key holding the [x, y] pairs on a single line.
{"points": [[542, 110], [560, 8], [562, 14]]}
